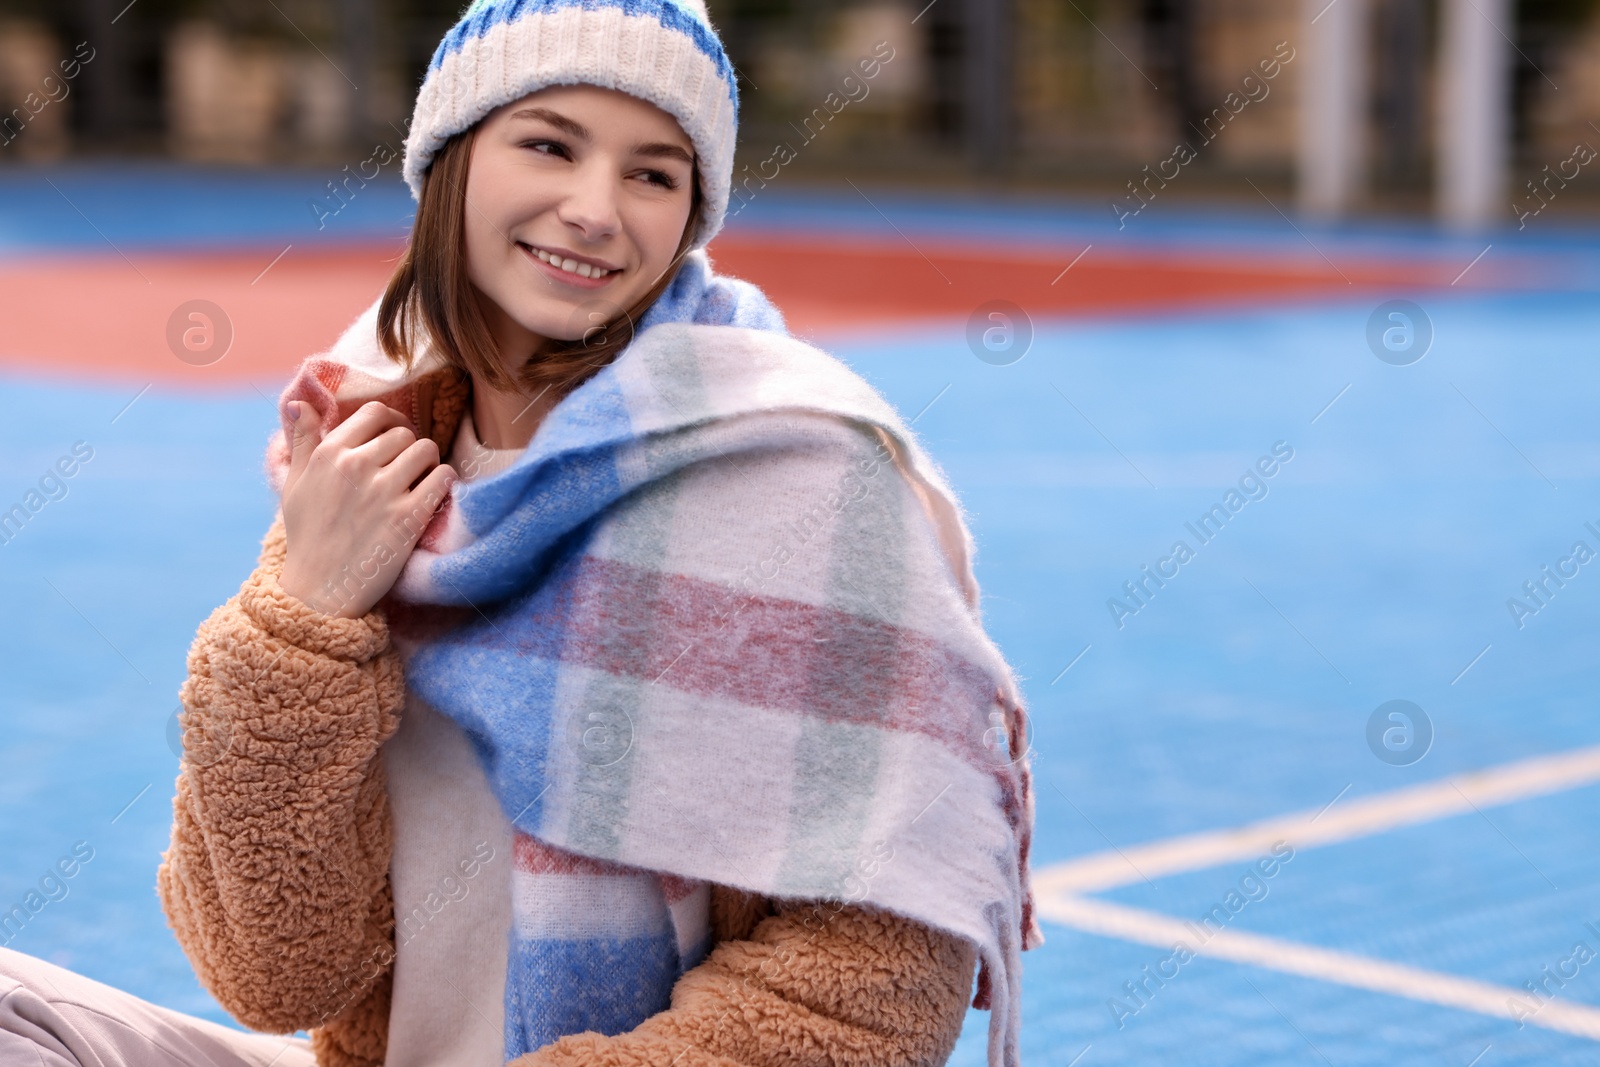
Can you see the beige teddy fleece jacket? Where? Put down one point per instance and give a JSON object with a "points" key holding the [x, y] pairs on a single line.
{"points": [[277, 879]]}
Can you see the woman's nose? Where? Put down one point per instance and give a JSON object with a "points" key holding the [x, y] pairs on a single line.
{"points": [[590, 205]]}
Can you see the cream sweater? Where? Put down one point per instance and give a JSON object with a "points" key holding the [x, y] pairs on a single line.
{"points": [[451, 929]]}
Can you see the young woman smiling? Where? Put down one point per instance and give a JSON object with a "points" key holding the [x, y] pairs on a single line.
{"points": [[551, 226], [657, 727]]}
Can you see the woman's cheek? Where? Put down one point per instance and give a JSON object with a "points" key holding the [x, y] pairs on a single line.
{"points": [[493, 202], [476, 233], [662, 232]]}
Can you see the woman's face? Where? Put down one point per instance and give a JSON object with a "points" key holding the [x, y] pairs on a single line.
{"points": [[577, 198]]}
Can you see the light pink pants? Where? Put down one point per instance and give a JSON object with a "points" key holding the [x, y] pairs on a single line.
{"points": [[51, 1017]]}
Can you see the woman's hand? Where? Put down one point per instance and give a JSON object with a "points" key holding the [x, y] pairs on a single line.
{"points": [[350, 513]]}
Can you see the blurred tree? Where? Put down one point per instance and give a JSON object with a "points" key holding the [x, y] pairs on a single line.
{"points": [[416, 27], [121, 103], [990, 83], [744, 26], [972, 83], [945, 107], [1544, 29], [1401, 50], [1171, 32]]}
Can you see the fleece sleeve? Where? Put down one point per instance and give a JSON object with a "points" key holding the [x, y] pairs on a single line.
{"points": [[814, 983], [276, 878]]}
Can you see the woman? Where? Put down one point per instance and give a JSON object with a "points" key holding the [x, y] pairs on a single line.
{"points": [[655, 727]]}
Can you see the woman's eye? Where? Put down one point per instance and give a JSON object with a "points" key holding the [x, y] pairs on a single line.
{"points": [[661, 178], [549, 148]]}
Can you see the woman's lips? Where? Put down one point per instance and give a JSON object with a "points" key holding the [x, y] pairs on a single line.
{"points": [[550, 264]]}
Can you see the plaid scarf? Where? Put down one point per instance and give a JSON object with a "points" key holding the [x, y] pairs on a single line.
{"points": [[718, 623]]}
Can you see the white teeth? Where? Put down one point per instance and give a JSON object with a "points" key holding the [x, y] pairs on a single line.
{"points": [[571, 266]]}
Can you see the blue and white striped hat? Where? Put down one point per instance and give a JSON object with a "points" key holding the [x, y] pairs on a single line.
{"points": [[663, 51]]}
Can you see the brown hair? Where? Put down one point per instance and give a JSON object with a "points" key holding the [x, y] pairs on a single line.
{"points": [[431, 292]]}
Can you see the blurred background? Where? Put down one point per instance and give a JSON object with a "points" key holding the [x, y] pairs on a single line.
{"points": [[1045, 94], [1309, 288]]}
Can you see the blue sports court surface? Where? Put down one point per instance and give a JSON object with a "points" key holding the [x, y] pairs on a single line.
{"points": [[1421, 892]]}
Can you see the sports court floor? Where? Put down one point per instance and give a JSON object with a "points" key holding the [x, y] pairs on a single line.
{"points": [[1433, 905]]}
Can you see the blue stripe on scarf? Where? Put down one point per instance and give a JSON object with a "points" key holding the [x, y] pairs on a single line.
{"points": [[521, 516], [697, 295], [495, 692], [609, 985], [484, 15]]}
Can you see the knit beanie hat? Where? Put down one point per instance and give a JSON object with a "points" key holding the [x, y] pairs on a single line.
{"points": [[663, 51]]}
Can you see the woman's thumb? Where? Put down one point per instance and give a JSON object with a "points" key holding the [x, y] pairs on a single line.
{"points": [[305, 432]]}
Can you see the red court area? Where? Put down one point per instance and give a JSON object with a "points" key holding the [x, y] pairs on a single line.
{"points": [[107, 315]]}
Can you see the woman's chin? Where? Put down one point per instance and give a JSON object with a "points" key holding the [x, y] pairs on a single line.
{"points": [[572, 319]]}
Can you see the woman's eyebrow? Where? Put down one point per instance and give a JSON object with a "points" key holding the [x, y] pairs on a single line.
{"points": [[554, 118], [663, 150]]}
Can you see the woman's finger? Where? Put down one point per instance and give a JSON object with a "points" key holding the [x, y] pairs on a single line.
{"points": [[425, 499], [382, 449], [363, 424], [417, 459]]}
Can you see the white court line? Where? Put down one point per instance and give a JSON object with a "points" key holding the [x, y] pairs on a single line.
{"points": [[1362, 972], [1356, 818]]}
